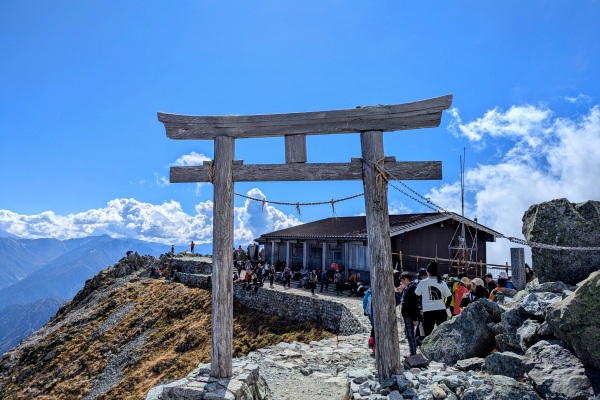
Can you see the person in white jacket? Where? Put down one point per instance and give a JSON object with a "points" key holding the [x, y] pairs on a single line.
{"points": [[433, 291]]}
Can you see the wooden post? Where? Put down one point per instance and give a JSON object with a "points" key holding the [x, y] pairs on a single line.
{"points": [[222, 282], [380, 254]]}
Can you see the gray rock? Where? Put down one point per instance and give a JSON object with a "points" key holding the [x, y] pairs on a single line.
{"points": [[470, 364], [535, 303], [559, 222], [556, 373], [544, 329], [507, 364], [557, 287], [527, 334], [464, 336], [500, 387], [395, 395], [576, 320], [512, 320]]}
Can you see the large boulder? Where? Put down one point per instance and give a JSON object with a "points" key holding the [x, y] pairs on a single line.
{"points": [[505, 363], [561, 223], [556, 373], [576, 320], [499, 387], [464, 336], [507, 339]]}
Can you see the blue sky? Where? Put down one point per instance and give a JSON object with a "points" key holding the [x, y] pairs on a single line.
{"points": [[82, 152]]}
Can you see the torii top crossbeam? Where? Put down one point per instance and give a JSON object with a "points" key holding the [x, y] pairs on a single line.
{"points": [[371, 122], [419, 114]]}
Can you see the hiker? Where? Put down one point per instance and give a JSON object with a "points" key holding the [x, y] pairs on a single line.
{"points": [[490, 284], [287, 276], [368, 307], [433, 291], [353, 281], [192, 246], [324, 281], [172, 249], [462, 290], [337, 279], [409, 309], [371, 342], [453, 283], [502, 279], [312, 281], [271, 275], [476, 292]]}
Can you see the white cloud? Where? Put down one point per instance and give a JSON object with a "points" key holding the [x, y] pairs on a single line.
{"points": [[550, 158], [253, 219], [191, 159], [164, 223], [517, 122], [580, 98], [186, 160]]}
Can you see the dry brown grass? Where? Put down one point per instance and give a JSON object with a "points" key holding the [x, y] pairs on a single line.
{"points": [[176, 320]]}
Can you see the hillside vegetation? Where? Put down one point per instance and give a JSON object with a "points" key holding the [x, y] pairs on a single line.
{"points": [[125, 333]]}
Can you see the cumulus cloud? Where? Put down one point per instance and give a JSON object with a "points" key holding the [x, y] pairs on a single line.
{"points": [[255, 218], [163, 223], [549, 158], [191, 159]]}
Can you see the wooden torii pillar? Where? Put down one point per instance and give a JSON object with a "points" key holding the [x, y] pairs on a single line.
{"points": [[371, 122]]}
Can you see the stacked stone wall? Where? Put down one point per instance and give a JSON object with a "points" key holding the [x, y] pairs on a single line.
{"points": [[195, 280], [332, 315], [191, 264]]}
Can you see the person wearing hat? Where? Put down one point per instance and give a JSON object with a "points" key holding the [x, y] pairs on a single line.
{"points": [[501, 286], [433, 291], [462, 289], [477, 291]]}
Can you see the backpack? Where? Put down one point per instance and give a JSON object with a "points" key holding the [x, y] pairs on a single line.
{"points": [[366, 302]]}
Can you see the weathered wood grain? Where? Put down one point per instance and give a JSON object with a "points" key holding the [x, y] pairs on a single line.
{"points": [[222, 283], [295, 149], [408, 170], [420, 114], [387, 357]]}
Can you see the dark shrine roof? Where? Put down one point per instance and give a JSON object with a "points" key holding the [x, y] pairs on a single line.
{"points": [[355, 228]]}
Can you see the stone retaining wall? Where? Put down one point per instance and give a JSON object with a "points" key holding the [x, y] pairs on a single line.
{"points": [[195, 280], [332, 315], [192, 264], [245, 384]]}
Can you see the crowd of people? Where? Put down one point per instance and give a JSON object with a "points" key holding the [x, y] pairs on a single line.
{"points": [[430, 299]]}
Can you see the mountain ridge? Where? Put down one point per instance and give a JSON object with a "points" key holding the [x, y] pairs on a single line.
{"points": [[124, 333]]}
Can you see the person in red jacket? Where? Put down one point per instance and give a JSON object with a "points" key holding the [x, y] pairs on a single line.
{"points": [[461, 289]]}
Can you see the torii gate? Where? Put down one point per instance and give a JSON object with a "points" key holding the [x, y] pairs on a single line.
{"points": [[371, 122]]}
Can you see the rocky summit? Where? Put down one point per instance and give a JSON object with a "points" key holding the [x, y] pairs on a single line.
{"points": [[126, 335]]}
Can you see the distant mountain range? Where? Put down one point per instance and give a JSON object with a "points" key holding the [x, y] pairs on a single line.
{"points": [[38, 275]]}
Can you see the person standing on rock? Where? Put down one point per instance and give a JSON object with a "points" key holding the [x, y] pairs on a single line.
{"points": [[433, 292], [192, 246]]}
